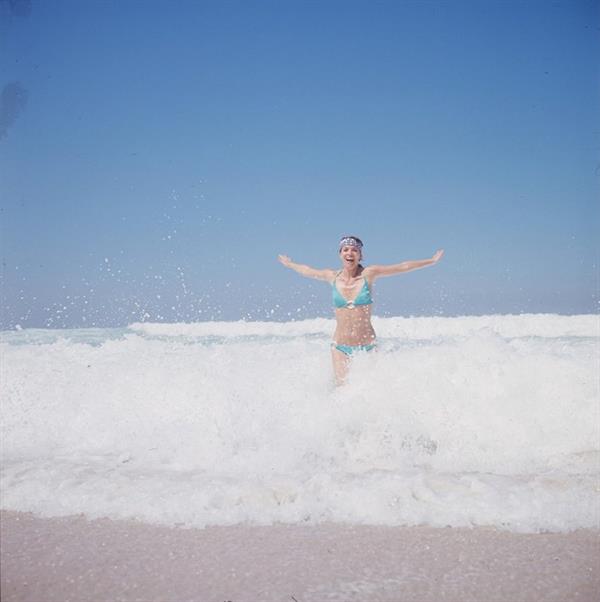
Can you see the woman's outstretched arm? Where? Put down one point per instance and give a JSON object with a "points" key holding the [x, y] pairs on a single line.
{"points": [[306, 270], [376, 271]]}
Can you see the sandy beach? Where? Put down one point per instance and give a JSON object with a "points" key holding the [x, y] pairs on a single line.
{"points": [[78, 560]]}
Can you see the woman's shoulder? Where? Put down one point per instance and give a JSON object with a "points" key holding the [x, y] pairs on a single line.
{"points": [[369, 273], [329, 274]]}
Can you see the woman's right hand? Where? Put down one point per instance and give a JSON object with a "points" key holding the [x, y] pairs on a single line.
{"points": [[438, 255]]}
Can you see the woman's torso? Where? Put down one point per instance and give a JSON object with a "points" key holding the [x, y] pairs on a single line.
{"points": [[353, 321]]}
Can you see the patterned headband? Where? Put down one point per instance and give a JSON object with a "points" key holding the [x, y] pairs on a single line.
{"points": [[350, 241]]}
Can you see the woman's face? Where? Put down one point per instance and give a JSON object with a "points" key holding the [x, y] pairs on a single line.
{"points": [[350, 255]]}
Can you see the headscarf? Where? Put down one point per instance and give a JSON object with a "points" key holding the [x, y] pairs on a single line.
{"points": [[351, 241]]}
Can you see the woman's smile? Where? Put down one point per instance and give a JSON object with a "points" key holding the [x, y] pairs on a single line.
{"points": [[350, 255]]}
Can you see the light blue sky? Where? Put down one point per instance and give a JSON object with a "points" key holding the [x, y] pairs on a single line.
{"points": [[166, 152]]}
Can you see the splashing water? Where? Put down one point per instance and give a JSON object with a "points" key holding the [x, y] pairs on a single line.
{"points": [[488, 420]]}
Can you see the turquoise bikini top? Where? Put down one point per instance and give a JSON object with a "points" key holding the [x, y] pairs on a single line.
{"points": [[363, 297]]}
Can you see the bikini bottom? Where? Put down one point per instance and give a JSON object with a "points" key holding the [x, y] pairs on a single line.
{"points": [[350, 349]]}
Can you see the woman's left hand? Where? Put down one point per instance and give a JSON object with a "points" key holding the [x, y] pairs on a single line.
{"points": [[285, 260]]}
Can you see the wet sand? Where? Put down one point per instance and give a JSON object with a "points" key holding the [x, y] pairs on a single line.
{"points": [[77, 560]]}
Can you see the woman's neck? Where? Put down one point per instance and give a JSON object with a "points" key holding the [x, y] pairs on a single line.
{"points": [[352, 272]]}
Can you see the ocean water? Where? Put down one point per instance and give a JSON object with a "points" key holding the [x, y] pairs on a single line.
{"points": [[490, 420]]}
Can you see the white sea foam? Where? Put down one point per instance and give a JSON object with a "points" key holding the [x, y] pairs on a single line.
{"points": [[490, 420]]}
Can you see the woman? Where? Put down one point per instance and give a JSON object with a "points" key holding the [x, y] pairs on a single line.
{"points": [[352, 299]]}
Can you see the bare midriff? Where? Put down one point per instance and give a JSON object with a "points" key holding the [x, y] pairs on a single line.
{"points": [[353, 326]]}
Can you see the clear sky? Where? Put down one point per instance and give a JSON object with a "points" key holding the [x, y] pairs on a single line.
{"points": [[156, 156]]}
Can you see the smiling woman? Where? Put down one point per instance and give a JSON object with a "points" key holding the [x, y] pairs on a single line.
{"points": [[352, 298]]}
